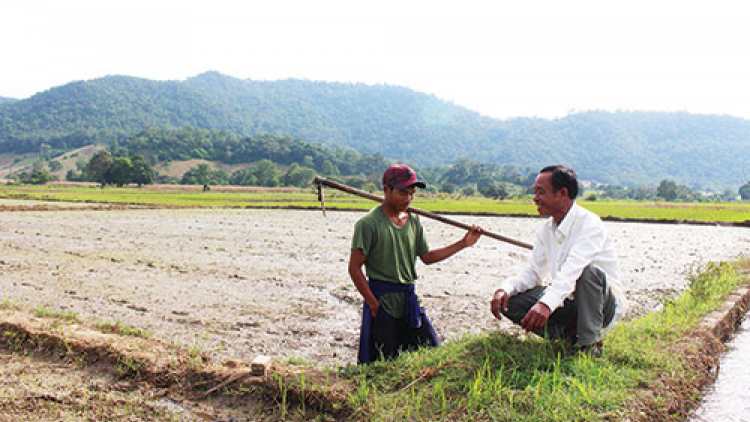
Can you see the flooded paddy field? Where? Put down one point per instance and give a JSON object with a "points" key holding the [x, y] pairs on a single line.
{"points": [[237, 283]]}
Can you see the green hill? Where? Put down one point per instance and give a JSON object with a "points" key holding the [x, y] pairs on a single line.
{"points": [[625, 148]]}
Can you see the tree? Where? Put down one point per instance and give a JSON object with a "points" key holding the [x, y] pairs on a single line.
{"points": [[37, 177], [142, 172], [198, 175], [243, 177], [266, 173], [329, 169], [120, 172], [667, 190], [98, 166], [448, 187], [495, 190], [356, 182], [54, 165], [486, 187], [745, 191], [643, 193], [469, 191], [728, 195], [298, 176]]}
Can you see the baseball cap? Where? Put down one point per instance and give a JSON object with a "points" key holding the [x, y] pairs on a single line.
{"points": [[401, 177]]}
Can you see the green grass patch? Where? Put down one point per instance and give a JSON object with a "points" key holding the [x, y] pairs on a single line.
{"points": [[502, 377], [69, 316], [122, 329], [7, 304]]}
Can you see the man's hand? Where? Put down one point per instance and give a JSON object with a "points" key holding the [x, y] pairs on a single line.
{"points": [[471, 236], [499, 303], [536, 318]]}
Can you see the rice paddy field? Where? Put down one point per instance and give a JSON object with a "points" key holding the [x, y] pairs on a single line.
{"points": [[253, 197], [201, 283]]}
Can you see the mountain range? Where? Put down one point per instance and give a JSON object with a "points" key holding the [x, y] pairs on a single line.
{"points": [[625, 148]]}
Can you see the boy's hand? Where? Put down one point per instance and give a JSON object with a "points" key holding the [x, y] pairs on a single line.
{"points": [[472, 236]]}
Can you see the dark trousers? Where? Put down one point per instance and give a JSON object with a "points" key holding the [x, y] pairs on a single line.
{"points": [[390, 335], [591, 309]]}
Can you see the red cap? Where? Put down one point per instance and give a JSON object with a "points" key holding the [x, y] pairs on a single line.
{"points": [[401, 177]]}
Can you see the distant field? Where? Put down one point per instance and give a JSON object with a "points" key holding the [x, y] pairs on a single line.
{"points": [[244, 197]]}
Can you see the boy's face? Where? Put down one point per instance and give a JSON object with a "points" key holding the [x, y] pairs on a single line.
{"points": [[399, 199]]}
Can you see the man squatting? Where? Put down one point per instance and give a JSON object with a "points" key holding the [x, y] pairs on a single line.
{"points": [[387, 241], [574, 253]]}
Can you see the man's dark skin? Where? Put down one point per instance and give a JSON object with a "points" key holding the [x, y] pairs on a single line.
{"points": [[396, 203], [549, 202]]}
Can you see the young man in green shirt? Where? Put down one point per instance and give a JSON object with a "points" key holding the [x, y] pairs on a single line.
{"points": [[387, 242]]}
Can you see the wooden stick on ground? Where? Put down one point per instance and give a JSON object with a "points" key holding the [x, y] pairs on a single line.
{"points": [[330, 183]]}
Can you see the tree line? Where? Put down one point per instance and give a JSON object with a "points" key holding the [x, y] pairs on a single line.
{"points": [[274, 161]]}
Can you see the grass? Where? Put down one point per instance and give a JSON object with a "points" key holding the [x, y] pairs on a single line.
{"points": [[120, 328], [503, 377], [243, 197], [68, 316], [7, 304]]}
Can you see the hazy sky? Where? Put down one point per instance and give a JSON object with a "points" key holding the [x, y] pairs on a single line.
{"points": [[500, 58]]}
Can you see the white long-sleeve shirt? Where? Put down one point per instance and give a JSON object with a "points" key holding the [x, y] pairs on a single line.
{"points": [[561, 253]]}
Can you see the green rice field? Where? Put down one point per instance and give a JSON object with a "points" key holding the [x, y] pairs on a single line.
{"points": [[249, 197]]}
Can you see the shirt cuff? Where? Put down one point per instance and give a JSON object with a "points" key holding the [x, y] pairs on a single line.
{"points": [[552, 300], [508, 288]]}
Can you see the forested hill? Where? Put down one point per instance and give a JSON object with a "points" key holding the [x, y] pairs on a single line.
{"points": [[7, 100], [623, 148]]}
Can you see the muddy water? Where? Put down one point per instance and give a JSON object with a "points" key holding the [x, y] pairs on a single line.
{"points": [[728, 400]]}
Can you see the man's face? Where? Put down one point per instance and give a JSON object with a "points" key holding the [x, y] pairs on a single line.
{"points": [[547, 200], [399, 199]]}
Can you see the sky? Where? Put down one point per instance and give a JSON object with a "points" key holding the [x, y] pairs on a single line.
{"points": [[503, 59]]}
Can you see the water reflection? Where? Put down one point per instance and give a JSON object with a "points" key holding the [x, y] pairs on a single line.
{"points": [[729, 397]]}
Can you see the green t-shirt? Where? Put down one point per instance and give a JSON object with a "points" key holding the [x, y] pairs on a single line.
{"points": [[391, 252]]}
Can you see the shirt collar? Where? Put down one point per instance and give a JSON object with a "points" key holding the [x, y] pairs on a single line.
{"points": [[563, 229]]}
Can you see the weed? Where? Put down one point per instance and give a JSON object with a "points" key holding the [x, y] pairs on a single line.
{"points": [[14, 340], [295, 360], [6, 304], [118, 327], [128, 366], [43, 312], [283, 390], [196, 353]]}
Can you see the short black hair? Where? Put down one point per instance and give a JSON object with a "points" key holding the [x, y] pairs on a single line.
{"points": [[563, 177]]}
